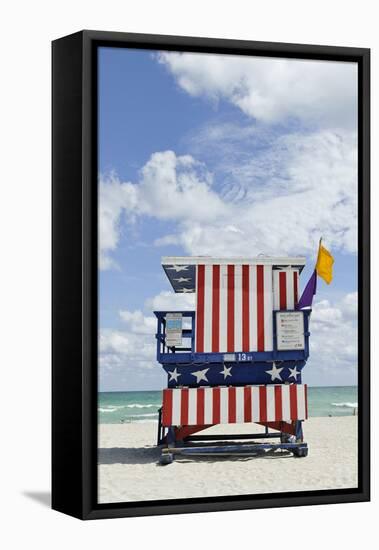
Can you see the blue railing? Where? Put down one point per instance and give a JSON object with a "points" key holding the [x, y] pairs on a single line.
{"points": [[187, 333], [187, 354]]}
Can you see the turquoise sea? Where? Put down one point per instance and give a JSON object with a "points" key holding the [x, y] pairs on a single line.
{"points": [[142, 406]]}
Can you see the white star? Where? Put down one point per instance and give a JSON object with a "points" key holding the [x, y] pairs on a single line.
{"points": [[174, 375], [186, 290], [178, 268], [200, 375], [275, 373], [226, 371], [294, 372], [183, 280]]}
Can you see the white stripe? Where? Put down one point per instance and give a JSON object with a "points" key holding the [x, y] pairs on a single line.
{"points": [[289, 288], [240, 405], [238, 308], [268, 344], [296, 275], [208, 406], [208, 309], [224, 416], [286, 415], [276, 289], [176, 402], [192, 406], [223, 308], [300, 402], [253, 307], [270, 400], [255, 416], [197, 304]]}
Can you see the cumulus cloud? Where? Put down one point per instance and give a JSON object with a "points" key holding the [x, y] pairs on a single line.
{"points": [[177, 187], [138, 323], [269, 191], [272, 90], [309, 189], [127, 355], [168, 300], [282, 200], [333, 342], [114, 198], [170, 187]]}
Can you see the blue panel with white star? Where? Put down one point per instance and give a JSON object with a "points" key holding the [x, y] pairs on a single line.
{"points": [[217, 374], [181, 277]]}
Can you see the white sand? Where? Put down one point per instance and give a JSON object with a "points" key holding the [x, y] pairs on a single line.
{"points": [[128, 469]]}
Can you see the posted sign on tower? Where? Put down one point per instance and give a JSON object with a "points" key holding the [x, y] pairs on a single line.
{"points": [[290, 330], [173, 329]]}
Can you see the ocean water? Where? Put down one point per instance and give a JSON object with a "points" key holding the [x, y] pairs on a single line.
{"points": [[142, 406]]}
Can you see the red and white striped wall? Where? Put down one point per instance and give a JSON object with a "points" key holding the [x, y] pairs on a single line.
{"points": [[234, 305], [286, 288], [231, 405]]}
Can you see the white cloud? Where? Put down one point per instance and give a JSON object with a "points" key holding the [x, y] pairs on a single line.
{"points": [[322, 93], [127, 360], [274, 193], [126, 343], [114, 198], [349, 305], [127, 355], [168, 300], [333, 343], [177, 187], [282, 200], [138, 323], [324, 314], [170, 187], [310, 189]]}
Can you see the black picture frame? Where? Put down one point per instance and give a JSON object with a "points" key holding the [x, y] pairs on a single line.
{"points": [[74, 272]]}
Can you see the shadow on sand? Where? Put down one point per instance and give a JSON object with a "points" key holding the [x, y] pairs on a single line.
{"points": [[150, 455]]}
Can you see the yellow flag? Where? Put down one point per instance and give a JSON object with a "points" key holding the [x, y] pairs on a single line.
{"points": [[324, 265]]}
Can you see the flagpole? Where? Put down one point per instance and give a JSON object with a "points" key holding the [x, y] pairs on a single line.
{"points": [[318, 253]]}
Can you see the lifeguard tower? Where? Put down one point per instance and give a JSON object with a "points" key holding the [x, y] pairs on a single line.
{"points": [[237, 358]]}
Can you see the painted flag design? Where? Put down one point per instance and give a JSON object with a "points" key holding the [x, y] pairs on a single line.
{"points": [[233, 405], [286, 288], [234, 308]]}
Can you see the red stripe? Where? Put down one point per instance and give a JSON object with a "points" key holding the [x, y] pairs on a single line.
{"points": [[295, 288], [184, 407], [278, 403], [260, 308], [247, 403], [293, 401], [245, 308], [200, 406], [283, 290], [216, 308], [167, 408], [200, 308], [230, 308], [216, 406], [232, 405], [262, 404], [306, 400]]}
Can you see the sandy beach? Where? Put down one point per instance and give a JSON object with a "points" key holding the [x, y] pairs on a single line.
{"points": [[128, 469]]}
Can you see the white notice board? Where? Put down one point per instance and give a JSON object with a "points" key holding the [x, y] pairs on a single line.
{"points": [[290, 330], [174, 329]]}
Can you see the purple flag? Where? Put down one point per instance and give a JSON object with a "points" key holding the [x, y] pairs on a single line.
{"points": [[308, 293]]}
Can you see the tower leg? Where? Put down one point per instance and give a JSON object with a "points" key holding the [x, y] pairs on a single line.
{"points": [[299, 431], [167, 457]]}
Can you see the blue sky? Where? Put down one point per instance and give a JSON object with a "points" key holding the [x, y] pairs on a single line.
{"points": [[255, 144]]}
